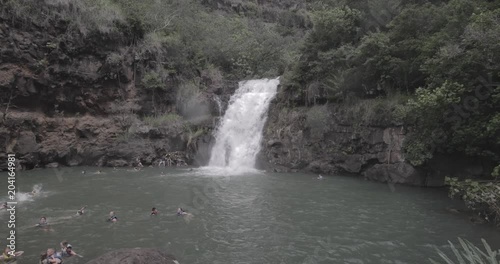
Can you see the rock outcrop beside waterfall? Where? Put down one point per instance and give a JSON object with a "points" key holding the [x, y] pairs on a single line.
{"points": [[326, 139], [69, 105]]}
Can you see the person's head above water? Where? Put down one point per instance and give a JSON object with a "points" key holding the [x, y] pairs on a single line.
{"points": [[43, 219], [50, 252], [112, 217]]}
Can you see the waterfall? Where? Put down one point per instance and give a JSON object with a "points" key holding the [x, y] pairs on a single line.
{"points": [[238, 136], [219, 104]]}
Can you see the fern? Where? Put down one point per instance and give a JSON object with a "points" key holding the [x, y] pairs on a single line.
{"points": [[469, 254]]}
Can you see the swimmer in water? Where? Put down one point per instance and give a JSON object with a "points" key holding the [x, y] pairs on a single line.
{"points": [[320, 177], [67, 251], [63, 245], [83, 172], [112, 217], [52, 257], [181, 211], [3, 206], [8, 256], [43, 258], [154, 211], [81, 211], [43, 222]]}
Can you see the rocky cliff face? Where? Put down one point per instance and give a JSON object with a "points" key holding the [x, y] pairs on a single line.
{"points": [[73, 103], [328, 139]]}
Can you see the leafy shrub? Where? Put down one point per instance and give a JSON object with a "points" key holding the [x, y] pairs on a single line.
{"points": [[162, 120], [152, 80], [82, 16], [114, 59], [126, 136], [192, 135], [482, 197]]}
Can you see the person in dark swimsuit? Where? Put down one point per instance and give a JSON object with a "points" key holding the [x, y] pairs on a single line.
{"points": [[154, 211], [68, 251], [81, 211], [112, 217], [181, 211]]}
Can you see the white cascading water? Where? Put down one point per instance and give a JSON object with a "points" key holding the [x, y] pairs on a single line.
{"points": [[219, 104], [237, 139]]}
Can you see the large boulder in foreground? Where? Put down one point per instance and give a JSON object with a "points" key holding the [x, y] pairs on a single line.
{"points": [[135, 256]]}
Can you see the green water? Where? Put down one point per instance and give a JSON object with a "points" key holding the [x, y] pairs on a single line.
{"points": [[247, 218]]}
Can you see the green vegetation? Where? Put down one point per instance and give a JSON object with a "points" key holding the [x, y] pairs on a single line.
{"points": [[469, 254], [182, 35], [162, 120], [154, 82], [430, 65], [126, 136], [191, 135], [483, 197], [439, 55]]}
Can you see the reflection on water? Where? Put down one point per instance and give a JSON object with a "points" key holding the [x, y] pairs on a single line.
{"points": [[243, 217]]}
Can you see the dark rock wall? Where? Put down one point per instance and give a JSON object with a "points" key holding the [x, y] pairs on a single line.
{"points": [[334, 143], [65, 103]]}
